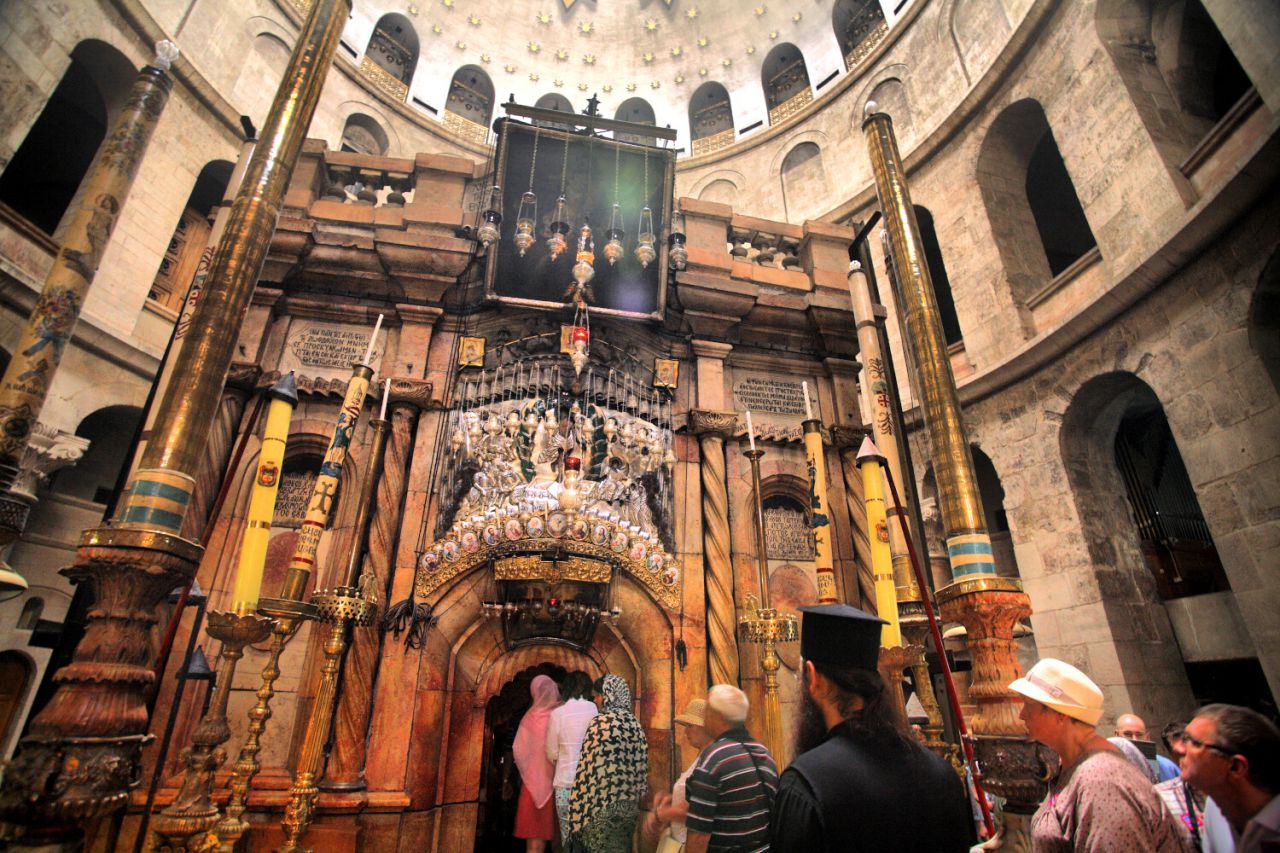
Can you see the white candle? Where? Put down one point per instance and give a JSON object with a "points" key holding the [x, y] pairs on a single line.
{"points": [[368, 353], [751, 431], [386, 396], [808, 410]]}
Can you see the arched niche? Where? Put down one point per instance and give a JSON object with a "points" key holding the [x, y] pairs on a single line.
{"points": [[804, 181], [637, 111], [720, 190], [785, 79], [363, 134], [44, 175], [554, 101], [17, 677], [392, 55], [859, 25], [471, 98], [938, 276], [710, 118], [110, 431], [262, 70], [1037, 221]]}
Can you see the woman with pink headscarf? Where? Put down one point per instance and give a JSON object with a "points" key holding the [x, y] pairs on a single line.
{"points": [[536, 814]]}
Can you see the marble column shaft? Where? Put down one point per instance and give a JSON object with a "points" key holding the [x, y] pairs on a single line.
{"points": [[847, 440], [351, 725], [711, 429]]}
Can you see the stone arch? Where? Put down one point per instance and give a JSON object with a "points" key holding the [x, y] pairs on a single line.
{"points": [[722, 186], [554, 101], [1180, 73], [262, 70], [977, 31], [804, 181], [42, 179], [710, 114], [362, 134], [853, 22], [1037, 221], [785, 79], [370, 117], [110, 431], [637, 111], [938, 276], [891, 97], [393, 48], [1264, 319], [32, 610], [471, 95]]}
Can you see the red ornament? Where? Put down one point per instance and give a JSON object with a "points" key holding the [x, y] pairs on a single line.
{"points": [[572, 463], [580, 333]]}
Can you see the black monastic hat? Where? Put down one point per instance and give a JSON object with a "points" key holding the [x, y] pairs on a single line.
{"points": [[840, 635]]}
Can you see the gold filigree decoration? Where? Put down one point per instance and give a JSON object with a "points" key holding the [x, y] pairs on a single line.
{"points": [[790, 107], [468, 130], [531, 567], [864, 47], [383, 80], [714, 142]]}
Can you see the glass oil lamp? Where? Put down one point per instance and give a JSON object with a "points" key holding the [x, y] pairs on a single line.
{"points": [[526, 222]]}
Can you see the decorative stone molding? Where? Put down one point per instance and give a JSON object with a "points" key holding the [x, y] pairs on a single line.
{"points": [[723, 424], [48, 450], [246, 376], [848, 436], [415, 392]]}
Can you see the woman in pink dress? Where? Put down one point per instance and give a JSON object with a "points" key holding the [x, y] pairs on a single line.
{"points": [[536, 814]]}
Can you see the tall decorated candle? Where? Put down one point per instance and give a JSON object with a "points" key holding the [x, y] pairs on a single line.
{"points": [[819, 508]]}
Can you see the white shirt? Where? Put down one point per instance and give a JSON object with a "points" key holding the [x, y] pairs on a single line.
{"points": [[678, 796], [1262, 829], [565, 731]]}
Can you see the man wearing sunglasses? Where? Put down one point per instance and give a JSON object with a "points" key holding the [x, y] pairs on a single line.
{"points": [[1233, 755]]}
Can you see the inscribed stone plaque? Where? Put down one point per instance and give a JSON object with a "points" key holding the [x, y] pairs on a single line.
{"points": [[776, 404], [787, 535], [327, 350]]}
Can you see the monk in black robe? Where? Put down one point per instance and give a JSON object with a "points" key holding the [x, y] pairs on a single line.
{"points": [[858, 783]]}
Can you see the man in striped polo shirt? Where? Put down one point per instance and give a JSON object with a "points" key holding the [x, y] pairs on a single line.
{"points": [[731, 789]]}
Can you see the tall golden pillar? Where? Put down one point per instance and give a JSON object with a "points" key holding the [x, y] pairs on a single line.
{"points": [[988, 606], [80, 757], [30, 372]]}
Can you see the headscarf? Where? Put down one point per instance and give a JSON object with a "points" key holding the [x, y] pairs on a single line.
{"points": [[1135, 756], [531, 738], [615, 758]]}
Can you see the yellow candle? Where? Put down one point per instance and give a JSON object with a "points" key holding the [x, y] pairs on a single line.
{"points": [[878, 533], [262, 499]]}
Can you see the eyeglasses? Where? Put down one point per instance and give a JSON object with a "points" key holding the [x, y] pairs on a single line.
{"points": [[1199, 744]]}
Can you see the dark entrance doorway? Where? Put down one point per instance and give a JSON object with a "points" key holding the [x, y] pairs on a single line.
{"points": [[499, 779]]}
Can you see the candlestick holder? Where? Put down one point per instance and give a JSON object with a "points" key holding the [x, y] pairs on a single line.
{"points": [[763, 626], [185, 824], [339, 608], [287, 616]]}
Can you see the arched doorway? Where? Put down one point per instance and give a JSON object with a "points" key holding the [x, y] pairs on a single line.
{"points": [[499, 780], [15, 680]]}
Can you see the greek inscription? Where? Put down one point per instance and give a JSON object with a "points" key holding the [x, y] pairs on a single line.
{"points": [[787, 534], [770, 395], [318, 346]]}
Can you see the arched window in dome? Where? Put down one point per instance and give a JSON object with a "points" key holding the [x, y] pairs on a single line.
{"points": [[710, 118], [1036, 217], [1180, 72], [938, 276], [392, 55], [804, 182], [42, 178], [362, 134], [470, 104], [859, 27], [786, 82], [554, 101], [636, 111], [190, 237]]}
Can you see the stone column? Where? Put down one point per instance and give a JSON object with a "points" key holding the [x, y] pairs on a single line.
{"points": [[345, 771], [847, 440], [712, 428], [47, 451]]}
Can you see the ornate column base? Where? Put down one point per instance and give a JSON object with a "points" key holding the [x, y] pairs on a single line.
{"points": [[893, 661], [83, 754], [989, 607], [185, 825], [915, 627]]}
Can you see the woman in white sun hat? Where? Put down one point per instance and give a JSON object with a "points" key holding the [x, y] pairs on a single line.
{"points": [[1098, 801]]}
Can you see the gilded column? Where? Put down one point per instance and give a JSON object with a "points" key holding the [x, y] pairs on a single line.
{"points": [[80, 757], [987, 605], [345, 770], [712, 428], [241, 382]]}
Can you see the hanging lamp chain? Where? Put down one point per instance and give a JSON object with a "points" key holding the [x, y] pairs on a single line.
{"points": [[533, 162]]}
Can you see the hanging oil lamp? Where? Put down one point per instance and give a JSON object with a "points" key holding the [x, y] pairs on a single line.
{"points": [[580, 338], [613, 250], [584, 266], [645, 253], [491, 218], [677, 255], [526, 222], [556, 242]]}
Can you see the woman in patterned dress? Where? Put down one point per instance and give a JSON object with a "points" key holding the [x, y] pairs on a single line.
{"points": [[611, 775], [1099, 801]]}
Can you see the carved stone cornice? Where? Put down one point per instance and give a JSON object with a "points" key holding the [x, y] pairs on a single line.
{"points": [[711, 349], [245, 376], [425, 315], [414, 392], [723, 424], [848, 436]]}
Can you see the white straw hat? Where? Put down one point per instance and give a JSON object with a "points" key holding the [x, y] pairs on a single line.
{"points": [[1063, 688]]}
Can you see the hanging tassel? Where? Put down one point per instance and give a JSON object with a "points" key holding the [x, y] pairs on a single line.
{"points": [[410, 619]]}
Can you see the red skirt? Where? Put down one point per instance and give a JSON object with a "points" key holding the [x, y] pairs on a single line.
{"points": [[535, 823]]}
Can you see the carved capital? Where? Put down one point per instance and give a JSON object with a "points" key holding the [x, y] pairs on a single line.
{"points": [[244, 376], [723, 424], [48, 450], [848, 436], [425, 315], [415, 392], [711, 349]]}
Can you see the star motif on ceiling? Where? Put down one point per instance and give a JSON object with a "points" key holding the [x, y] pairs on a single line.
{"points": [[562, 54], [607, 88], [679, 78], [651, 24], [759, 10], [510, 69], [691, 12], [448, 4], [582, 87], [631, 87], [703, 41], [557, 83], [461, 45], [655, 85], [702, 72], [773, 35], [543, 18], [413, 10], [589, 59], [534, 47], [797, 16], [726, 62], [437, 29], [647, 57], [473, 20], [751, 49], [484, 57], [676, 51], [534, 77], [585, 27]]}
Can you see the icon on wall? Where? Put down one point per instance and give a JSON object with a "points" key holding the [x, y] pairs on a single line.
{"points": [[471, 352], [666, 373]]}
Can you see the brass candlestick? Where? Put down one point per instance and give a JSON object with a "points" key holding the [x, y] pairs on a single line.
{"points": [[185, 824], [341, 608], [763, 625]]}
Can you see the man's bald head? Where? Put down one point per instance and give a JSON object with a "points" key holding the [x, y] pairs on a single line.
{"points": [[1131, 726]]}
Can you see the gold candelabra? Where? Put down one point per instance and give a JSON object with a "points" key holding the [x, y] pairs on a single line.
{"points": [[762, 625]]}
